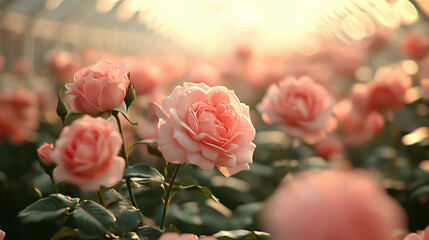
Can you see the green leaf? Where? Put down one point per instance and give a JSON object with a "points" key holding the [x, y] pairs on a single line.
{"points": [[241, 234], [150, 233], [64, 232], [144, 172], [172, 228], [71, 116], [205, 191], [92, 218], [130, 236], [186, 182], [46, 209], [127, 217]]}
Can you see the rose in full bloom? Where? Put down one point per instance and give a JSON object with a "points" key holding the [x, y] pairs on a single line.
{"points": [[419, 235], [301, 107], [99, 87], [44, 152], [387, 90], [413, 45], [86, 154], [206, 126], [332, 204], [19, 115], [184, 236]]}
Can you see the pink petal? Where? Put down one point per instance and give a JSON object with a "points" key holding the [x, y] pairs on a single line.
{"points": [[227, 172], [197, 159]]}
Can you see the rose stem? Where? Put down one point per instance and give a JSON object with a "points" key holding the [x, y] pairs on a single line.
{"points": [[54, 184], [100, 196], [125, 156], [167, 196]]}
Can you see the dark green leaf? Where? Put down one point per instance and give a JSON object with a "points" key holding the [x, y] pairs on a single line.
{"points": [[130, 236], [241, 234], [206, 192], [92, 218], [144, 172], [71, 116], [150, 233], [127, 217], [47, 209], [186, 182], [64, 232], [172, 228]]}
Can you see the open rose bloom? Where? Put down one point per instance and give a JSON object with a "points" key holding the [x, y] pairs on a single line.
{"points": [[332, 204], [86, 154], [300, 107], [99, 87], [206, 126]]}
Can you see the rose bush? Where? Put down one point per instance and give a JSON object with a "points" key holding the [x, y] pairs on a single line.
{"points": [[206, 126], [86, 154], [99, 87], [301, 107]]}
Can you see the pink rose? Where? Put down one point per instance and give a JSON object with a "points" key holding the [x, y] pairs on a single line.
{"points": [[44, 152], [19, 115], [413, 45], [332, 204], [387, 90], [420, 235], [184, 236], [329, 146], [99, 87], [2, 235], [86, 154], [146, 77], [206, 126], [301, 107], [424, 83], [20, 65], [204, 73]]}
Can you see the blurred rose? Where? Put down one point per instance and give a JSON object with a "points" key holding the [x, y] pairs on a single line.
{"points": [[19, 115], [184, 236], [206, 126], [86, 154], [20, 65], [301, 107], [61, 63], [2, 62], [345, 59], [2, 235], [329, 146], [145, 77], [419, 235], [379, 40], [332, 204], [387, 90], [44, 152], [413, 45], [203, 73], [357, 127], [424, 83], [99, 87]]}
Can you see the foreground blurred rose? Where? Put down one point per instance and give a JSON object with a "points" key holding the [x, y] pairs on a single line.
{"points": [[387, 90], [420, 235], [19, 115], [206, 126], [86, 154], [332, 204], [413, 45], [2, 235], [184, 236], [44, 152], [99, 87], [301, 107]]}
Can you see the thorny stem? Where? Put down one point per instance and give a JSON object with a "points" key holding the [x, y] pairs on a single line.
{"points": [[167, 196]]}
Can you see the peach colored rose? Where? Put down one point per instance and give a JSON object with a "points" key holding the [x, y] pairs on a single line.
{"points": [[44, 152], [387, 90], [424, 83], [19, 115], [206, 126], [2, 235], [419, 235], [301, 107], [86, 154], [99, 87], [184, 236], [332, 204], [413, 45]]}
